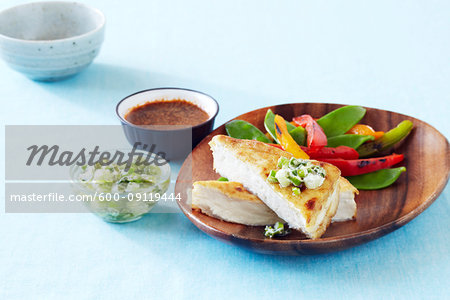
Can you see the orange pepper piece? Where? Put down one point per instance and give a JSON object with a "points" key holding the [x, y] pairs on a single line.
{"points": [[269, 136], [285, 139], [362, 129]]}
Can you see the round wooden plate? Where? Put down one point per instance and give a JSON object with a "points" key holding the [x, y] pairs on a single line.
{"points": [[379, 212]]}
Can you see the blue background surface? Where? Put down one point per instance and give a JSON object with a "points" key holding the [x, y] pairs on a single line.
{"points": [[392, 55]]}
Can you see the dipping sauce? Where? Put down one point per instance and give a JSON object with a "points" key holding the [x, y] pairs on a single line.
{"points": [[173, 112]]}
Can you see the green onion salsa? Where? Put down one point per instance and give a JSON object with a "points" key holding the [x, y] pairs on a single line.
{"points": [[114, 178], [133, 188], [297, 173]]}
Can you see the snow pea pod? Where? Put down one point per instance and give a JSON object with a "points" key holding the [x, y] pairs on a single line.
{"points": [[388, 140], [376, 180], [341, 120], [349, 140], [269, 124], [243, 130], [299, 135]]}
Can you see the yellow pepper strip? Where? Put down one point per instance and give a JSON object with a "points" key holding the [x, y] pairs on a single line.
{"points": [[286, 140], [362, 129]]}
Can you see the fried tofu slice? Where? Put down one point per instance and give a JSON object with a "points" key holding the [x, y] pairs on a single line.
{"points": [[230, 201], [347, 206], [250, 162]]}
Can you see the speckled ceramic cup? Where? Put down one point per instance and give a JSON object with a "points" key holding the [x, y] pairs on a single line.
{"points": [[50, 40]]}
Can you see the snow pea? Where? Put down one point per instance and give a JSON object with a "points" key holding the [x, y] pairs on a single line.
{"points": [[297, 133], [376, 180], [243, 130], [387, 141], [341, 120], [349, 140], [269, 124]]}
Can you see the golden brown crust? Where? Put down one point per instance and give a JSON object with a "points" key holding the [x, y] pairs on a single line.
{"points": [[346, 185], [230, 189], [327, 220]]}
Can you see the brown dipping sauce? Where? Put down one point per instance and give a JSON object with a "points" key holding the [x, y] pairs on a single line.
{"points": [[173, 112]]}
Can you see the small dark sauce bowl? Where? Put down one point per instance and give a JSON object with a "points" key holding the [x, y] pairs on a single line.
{"points": [[173, 142]]}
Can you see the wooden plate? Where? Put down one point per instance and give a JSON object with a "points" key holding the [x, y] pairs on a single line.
{"points": [[379, 212]]}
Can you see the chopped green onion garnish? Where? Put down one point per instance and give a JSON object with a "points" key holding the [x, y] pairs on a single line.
{"points": [[222, 179], [276, 230], [296, 191], [294, 163], [295, 180], [272, 178], [283, 161], [297, 172]]}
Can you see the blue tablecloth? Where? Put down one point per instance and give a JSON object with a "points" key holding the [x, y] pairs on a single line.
{"points": [[392, 55]]}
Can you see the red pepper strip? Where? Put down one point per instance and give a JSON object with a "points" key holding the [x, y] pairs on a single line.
{"points": [[363, 166], [316, 137], [343, 152]]}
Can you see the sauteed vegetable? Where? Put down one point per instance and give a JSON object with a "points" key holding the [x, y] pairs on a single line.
{"points": [[349, 140], [245, 131], [341, 120], [336, 138], [376, 180], [387, 141]]}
